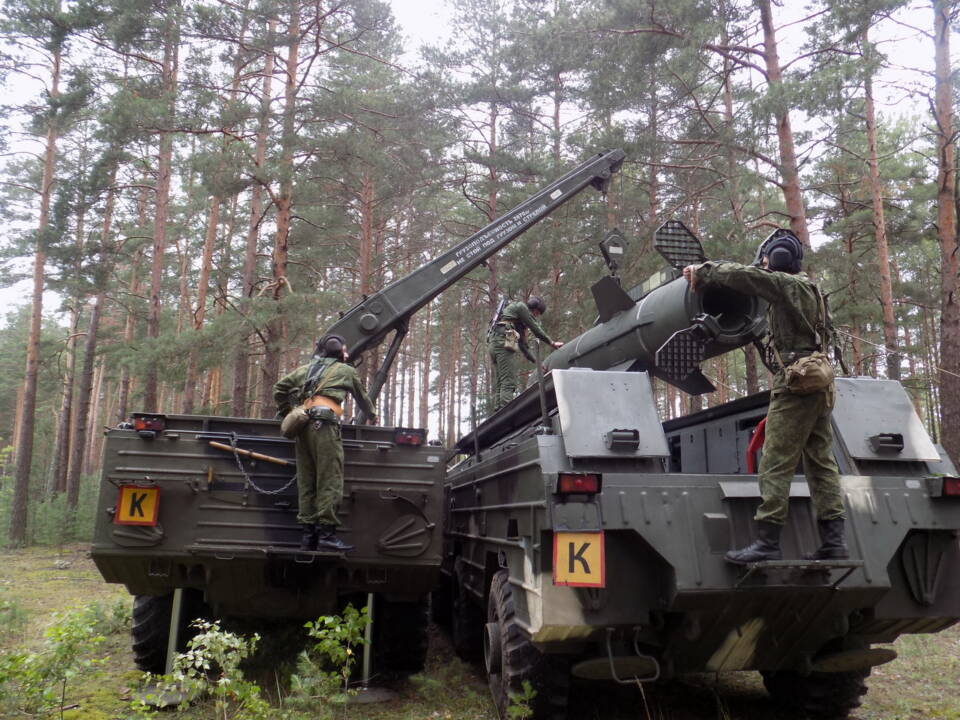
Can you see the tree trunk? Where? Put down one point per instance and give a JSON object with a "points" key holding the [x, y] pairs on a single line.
{"points": [[947, 233], [880, 231], [276, 327], [789, 172], [84, 388], [28, 409], [169, 71], [199, 313], [58, 472]]}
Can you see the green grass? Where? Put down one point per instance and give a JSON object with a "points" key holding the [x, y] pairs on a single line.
{"points": [[920, 685]]}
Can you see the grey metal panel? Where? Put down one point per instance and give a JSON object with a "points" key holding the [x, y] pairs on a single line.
{"points": [[866, 407], [751, 488], [592, 403]]}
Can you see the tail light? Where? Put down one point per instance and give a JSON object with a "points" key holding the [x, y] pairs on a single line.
{"points": [[582, 483], [944, 486], [148, 425], [410, 436]]}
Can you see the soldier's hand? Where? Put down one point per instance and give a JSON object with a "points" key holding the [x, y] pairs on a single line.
{"points": [[374, 420], [690, 273], [558, 344]]}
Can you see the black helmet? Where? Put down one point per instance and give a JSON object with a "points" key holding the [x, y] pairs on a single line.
{"points": [[783, 251], [330, 346], [535, 302]]}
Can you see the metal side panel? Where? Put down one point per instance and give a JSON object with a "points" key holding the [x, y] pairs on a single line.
{"points": [[592, 404], [866, 407]]}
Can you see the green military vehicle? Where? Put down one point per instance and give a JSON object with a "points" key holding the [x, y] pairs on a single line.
{"points": [[585, 538], [197, 514]]}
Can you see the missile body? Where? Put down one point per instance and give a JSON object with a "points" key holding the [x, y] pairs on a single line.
{"points": [[667, 332]]}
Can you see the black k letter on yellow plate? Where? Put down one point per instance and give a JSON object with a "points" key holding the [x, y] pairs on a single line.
{"points": [[578, 559], [137, 505]]}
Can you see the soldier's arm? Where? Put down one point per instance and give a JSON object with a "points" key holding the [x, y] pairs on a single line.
{"points": [[525, 349], [527, 318], [743, 278], [284, 389]]}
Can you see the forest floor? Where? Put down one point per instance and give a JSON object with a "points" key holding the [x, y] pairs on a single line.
{"points": [[921, 684]]}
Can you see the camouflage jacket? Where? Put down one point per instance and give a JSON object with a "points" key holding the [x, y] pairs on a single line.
{"points": [[518, 314], [793, 313], [338, 380]]}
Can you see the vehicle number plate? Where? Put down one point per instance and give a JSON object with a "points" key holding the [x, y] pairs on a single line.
{"points": [[137, 505], [578, 559]]}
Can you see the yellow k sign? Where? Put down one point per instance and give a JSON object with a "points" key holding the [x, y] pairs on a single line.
{"points": [[578, 559]]}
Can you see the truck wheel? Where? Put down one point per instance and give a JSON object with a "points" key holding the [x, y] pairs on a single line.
{"points": [[511, 659], [465, 619], [820, 695], [400, 635], [150, 628]]}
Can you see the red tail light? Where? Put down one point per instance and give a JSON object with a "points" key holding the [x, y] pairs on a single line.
{"points": [[951, 486], [410, 436], [571, 483], [148, 425]]}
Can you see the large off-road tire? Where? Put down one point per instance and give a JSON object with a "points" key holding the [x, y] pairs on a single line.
{"points": [[510, 659], [466, 619], [150, 628], [400, 635], [825, 696]]}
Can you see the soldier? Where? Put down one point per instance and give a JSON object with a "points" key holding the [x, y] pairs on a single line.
{"points": [[321, 387], [797, 425], [507, 338]]}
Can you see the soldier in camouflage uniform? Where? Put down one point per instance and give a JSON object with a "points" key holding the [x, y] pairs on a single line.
{"points": [[507, 339], [321, 386], [797, 425]]}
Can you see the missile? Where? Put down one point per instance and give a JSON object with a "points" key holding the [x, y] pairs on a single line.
{"points": [[665, 328]]}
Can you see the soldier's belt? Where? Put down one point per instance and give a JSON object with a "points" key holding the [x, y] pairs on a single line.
{"points": [[324, 402]]}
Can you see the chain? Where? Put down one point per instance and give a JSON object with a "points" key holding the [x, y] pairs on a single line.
{"points": [[247, 480]]}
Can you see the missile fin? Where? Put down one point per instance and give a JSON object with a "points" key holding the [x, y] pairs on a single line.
{"points": [[678, 245], [696, 383], [678, 361], [610, 298]]}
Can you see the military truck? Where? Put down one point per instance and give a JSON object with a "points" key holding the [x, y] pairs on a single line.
{"points": [[197, 513], [585, 538]]}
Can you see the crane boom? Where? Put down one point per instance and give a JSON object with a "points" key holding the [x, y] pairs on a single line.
{"points": [[367, 323]]}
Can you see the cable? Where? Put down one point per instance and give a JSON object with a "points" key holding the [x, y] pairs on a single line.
{"points": [[886, 351]]}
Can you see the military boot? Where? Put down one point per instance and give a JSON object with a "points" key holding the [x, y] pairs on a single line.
{"points": [[765, 547], [833, 546], [327, 539], [308, 540]]}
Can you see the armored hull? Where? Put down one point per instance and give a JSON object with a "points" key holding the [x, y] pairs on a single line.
{"points": [[609, 530]]}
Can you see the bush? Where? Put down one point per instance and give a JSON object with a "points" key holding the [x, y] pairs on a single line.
{"points": [[34, 683]]}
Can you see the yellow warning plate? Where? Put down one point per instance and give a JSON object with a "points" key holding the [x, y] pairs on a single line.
{"points": [[137, 505], [578, 559]]}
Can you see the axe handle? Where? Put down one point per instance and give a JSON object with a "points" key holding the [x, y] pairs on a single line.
{"points": [[250, 453]]}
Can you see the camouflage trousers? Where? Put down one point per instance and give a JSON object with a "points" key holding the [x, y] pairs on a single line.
{"points": [[506, 374], [319, 473], [798, 426]]}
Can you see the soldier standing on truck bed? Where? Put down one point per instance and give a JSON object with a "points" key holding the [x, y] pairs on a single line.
{"points": [[320, 387], [797, 424], [507, 338]]}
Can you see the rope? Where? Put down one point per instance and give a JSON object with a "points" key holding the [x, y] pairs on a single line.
{"points": [[883, 349], [247, 480]]}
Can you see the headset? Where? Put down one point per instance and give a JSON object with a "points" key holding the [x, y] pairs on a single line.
{"points": [[783, 250], [330, 345]]}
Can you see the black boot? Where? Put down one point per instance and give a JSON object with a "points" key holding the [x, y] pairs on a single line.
{"points": [[833, 546], [308, 540], [327, 539], [765, 547]]}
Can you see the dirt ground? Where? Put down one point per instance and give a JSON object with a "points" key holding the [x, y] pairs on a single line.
{"points": [[921, 684]]}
